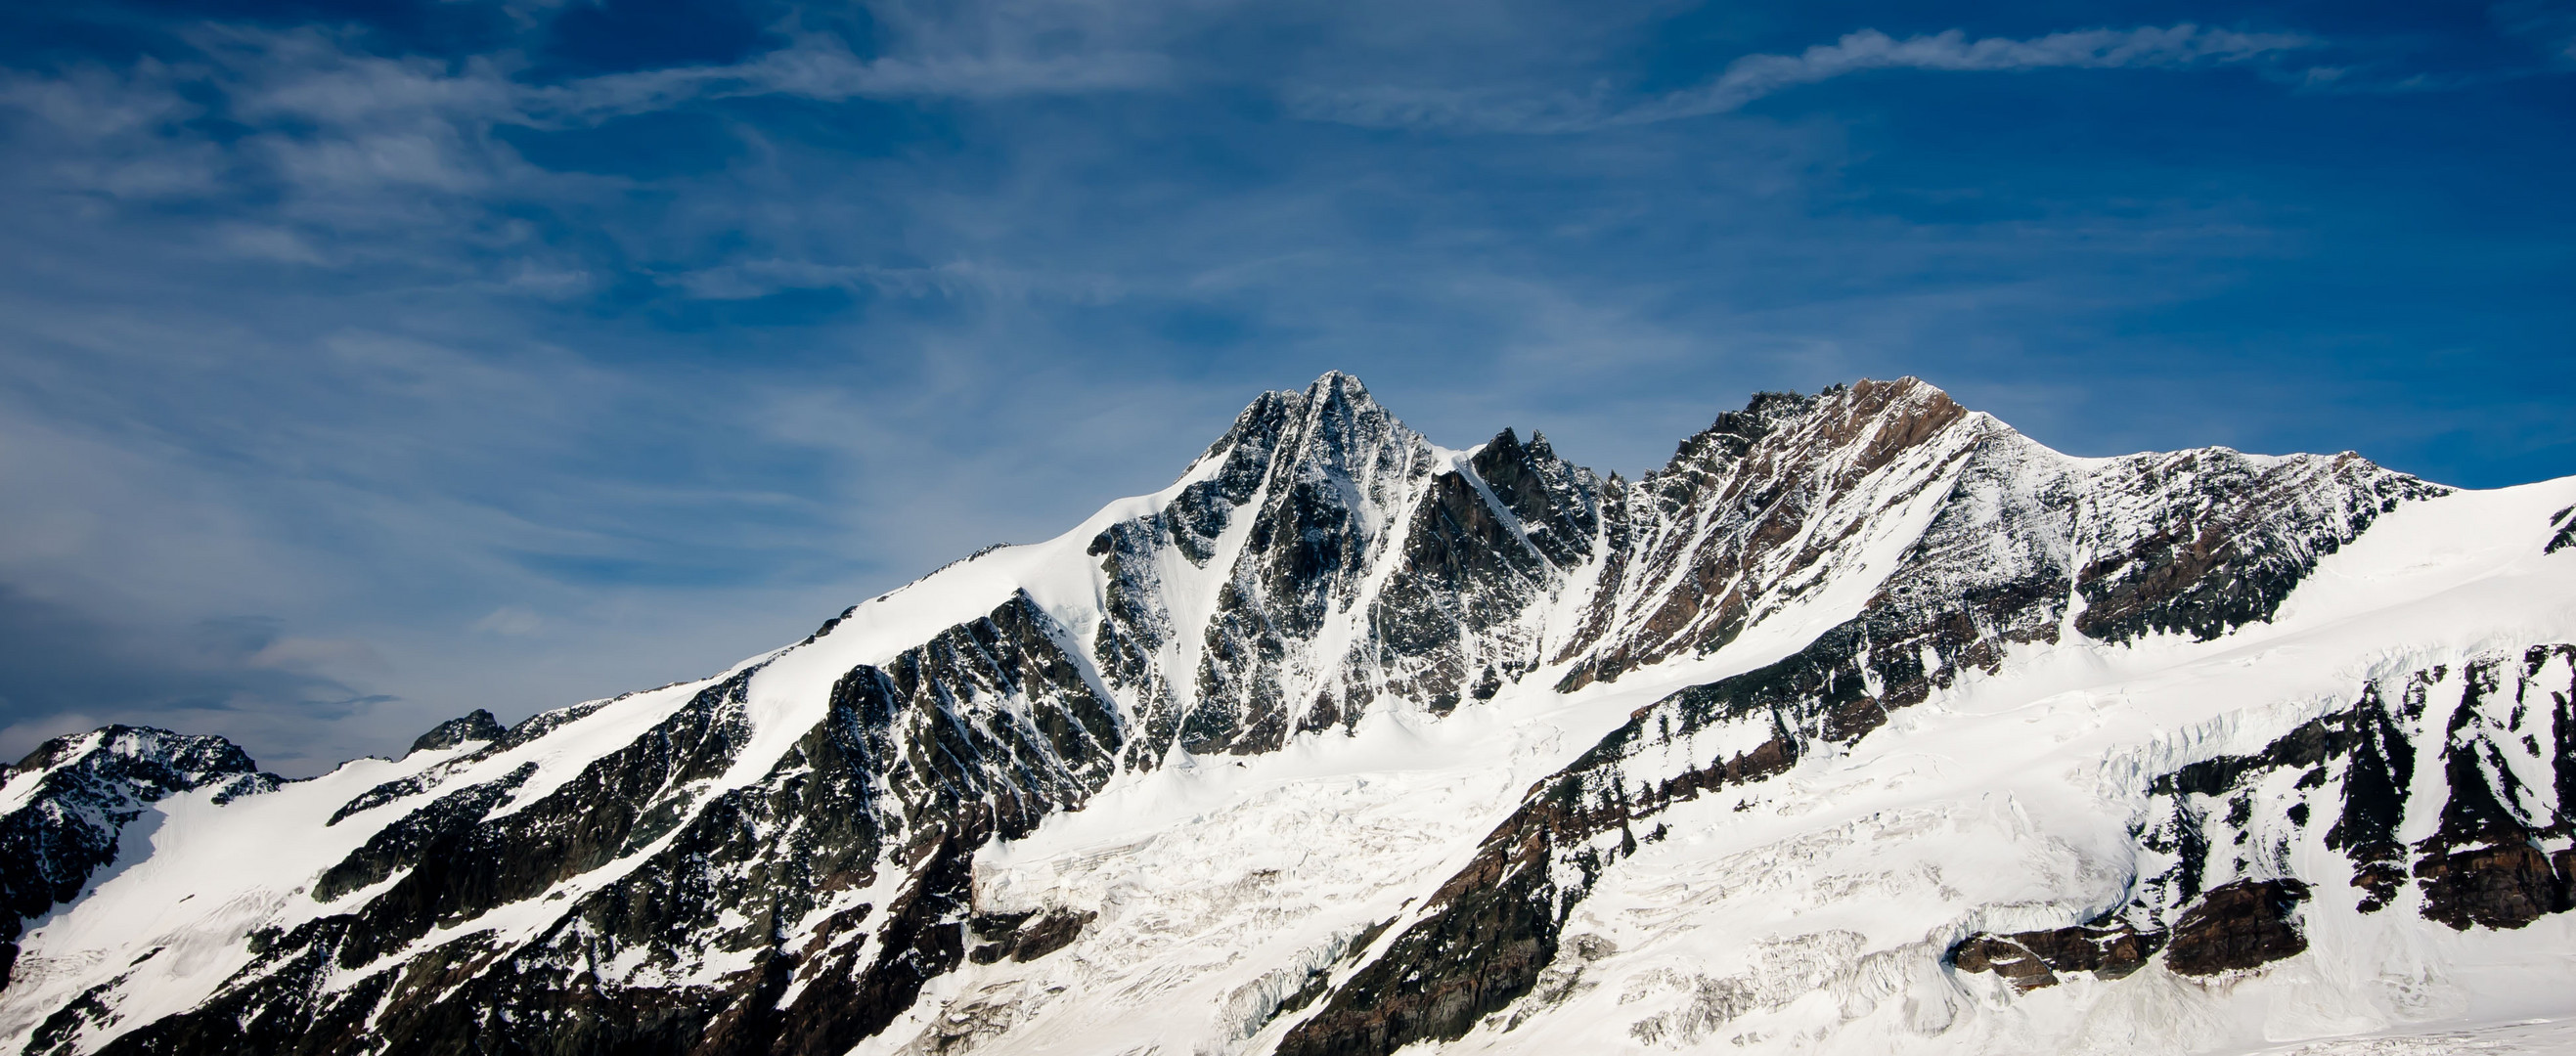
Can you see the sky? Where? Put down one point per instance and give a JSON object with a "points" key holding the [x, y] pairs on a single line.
{"points": [[362, 364]]}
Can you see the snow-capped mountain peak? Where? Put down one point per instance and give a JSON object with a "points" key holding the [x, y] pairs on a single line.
{"points": [[1346, 742]]}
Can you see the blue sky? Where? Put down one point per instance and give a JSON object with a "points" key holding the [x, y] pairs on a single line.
{"points": [[368, 363]]}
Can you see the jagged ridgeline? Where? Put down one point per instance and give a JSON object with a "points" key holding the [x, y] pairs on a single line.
{"points": [[1331, 642]]}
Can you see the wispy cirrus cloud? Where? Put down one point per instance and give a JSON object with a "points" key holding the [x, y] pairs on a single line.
{"points": [[823, 68], [311, 109], [542, 369], [2549, 25], [1756, 76]]}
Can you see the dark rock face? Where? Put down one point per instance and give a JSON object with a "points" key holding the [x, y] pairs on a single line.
{"points": [[2034, 959], [2239, 925], [2010, 956], [2502, 886], [1483, 547], [1782, 495], [2565, 521], [1310, 472], [2495, 859], [2225, 539], [1759, 499], [1550, 498], [81, 792], [981, 731], [2376, 783], [2485, 865], [1302, 560], [1325, 491], [1027, 936], [475, 725]]}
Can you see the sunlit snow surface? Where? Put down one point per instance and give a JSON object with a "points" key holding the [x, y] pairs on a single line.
{"points": [[1812, 909], [2534, 1037], [1818, 903]]}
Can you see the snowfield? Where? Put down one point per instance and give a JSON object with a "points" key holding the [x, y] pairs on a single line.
{"points": [[1211, 772], [1812, 915]]}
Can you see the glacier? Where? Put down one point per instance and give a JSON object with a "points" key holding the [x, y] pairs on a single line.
{"points": [[1866, 724]]}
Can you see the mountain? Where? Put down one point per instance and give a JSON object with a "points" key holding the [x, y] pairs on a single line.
{"points": [[1865, 724]]}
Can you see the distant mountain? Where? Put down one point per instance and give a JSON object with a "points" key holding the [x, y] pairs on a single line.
{"points": [[1866, 724]]}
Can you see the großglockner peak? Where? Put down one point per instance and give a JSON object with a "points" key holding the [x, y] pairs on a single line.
{"points": [[1866, 724]]}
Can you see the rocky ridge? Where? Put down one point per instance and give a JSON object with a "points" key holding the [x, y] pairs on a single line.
{"points": [[785, 858]]}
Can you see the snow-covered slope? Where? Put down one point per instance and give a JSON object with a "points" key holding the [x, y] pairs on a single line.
{"points": [[1867, 724], [64, 810]]}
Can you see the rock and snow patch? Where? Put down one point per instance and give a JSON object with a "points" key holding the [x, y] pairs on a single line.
{"points": [[1347, 742]]}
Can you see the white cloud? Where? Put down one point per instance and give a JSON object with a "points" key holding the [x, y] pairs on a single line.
{"points": [[1755, 76]]}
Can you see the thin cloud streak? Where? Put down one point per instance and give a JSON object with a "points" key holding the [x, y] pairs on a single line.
{"points": [[1756, 76], [823, 69]]}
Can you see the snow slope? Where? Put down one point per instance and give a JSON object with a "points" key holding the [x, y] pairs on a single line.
{"points": [[1347, 742], [1812, 913], [1822, 902]]}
